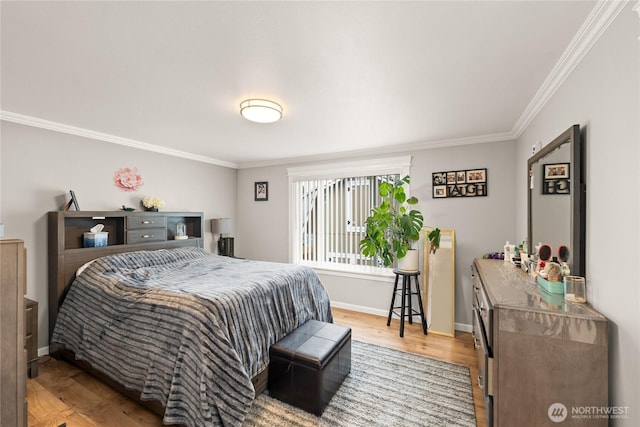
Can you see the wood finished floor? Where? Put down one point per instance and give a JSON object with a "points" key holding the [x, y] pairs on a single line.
{"points": [[64, 394]]}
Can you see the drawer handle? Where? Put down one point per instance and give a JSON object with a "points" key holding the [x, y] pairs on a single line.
{"points": [[483, 312], [147, 222], [476, 343], [480, 385], [146, 236]]}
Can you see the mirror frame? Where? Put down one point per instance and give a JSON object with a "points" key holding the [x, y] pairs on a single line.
{"points": [[439, 301], [577, 193]]}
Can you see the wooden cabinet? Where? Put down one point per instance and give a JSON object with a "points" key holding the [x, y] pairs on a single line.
{"points": [[541, 360], [13, 375], [31, 336], [146, 228]]}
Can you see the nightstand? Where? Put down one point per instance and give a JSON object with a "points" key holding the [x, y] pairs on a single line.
{"points": [[31, 342]]}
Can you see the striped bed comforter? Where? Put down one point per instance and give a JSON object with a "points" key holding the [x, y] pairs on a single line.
{"points": [[186, 327]]}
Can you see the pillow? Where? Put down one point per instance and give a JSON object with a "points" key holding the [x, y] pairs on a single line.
{"points": [[83, 267]]}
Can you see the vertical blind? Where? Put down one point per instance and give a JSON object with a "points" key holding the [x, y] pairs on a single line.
{"points": [[331, 217]]}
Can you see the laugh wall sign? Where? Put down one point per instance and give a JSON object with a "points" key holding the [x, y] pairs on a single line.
{"points": [[461, 183]]}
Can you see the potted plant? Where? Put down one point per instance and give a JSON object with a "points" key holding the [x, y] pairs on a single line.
{"points": [[393, 226]]}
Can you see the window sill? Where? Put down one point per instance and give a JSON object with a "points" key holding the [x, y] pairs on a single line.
{"points": [[382, 274]]}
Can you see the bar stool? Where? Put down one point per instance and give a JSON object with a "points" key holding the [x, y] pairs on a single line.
{"points": [[406, 309]]}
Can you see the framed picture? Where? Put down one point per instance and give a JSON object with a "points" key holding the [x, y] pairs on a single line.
{"points": [[556, 171], [261, 191], [477, 175], [439, 191], [556, 178], [459, 183], [73, 202], [439, 178]]}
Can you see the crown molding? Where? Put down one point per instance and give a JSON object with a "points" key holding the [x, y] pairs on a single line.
{"points": [[386, 150], [599, 19], [602, 15], [391, 149], [99, 136]]}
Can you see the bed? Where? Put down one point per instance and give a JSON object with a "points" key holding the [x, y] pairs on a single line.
{"points": [[184, 327]]}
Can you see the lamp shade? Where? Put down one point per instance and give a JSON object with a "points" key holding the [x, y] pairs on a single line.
{"points": [[260, 110], [221, 225]]}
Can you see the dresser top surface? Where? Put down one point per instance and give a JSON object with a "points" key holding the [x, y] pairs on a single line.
{"points": [[510, 287]]}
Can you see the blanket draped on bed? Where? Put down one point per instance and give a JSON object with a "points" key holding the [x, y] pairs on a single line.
{"points": [[187, 327]]}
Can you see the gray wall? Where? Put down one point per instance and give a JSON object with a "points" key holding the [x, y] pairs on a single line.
{"points": [[39, 167], [263, 231], [482, 224], [601, 95]]}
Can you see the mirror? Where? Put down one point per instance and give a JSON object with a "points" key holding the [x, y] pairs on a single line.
{"points": [[439, 283], [556, 198]]}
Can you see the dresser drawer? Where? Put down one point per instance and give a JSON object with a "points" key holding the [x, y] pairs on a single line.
{"points": [[137, 222], [31, 336], [146, 235], [31, 328], [29, 347]]}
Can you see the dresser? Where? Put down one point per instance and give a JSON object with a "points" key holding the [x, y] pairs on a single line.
{"points": [[542, 361], [13, 372]]}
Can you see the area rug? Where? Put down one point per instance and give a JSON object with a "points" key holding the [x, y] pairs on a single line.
{"points": [[385, 388]]}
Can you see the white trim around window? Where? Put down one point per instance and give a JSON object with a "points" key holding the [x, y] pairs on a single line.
{"points": [[383, 166], [371, 167]]}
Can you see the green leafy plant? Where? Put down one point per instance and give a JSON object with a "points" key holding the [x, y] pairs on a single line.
{"points": [[392, 226], [434, 239]]}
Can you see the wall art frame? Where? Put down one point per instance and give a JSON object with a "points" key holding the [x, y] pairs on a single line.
{"points": [[73, 201], [460, 183], [261, 191], [556, 178]]}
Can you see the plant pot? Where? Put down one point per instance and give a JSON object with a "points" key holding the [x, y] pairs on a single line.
{"points": [[410, 262]]}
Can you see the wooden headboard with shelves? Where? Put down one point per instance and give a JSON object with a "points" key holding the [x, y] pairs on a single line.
{"points": [[128, 232]]}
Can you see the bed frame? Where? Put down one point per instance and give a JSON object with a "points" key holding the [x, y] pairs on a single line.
{"points": [[66, 255]]}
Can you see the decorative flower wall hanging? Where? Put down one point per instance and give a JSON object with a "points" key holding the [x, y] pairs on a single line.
{"points": [[127, 179]]}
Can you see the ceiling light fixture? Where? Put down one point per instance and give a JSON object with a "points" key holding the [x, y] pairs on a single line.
{"points": [[260, 110]]}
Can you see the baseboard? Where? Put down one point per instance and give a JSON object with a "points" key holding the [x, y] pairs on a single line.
{"points": [[384, 313], [43, 351], [360, 308], [463, 327]]}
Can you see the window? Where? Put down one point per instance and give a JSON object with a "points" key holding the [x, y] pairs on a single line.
{"points": [[329, 206]]}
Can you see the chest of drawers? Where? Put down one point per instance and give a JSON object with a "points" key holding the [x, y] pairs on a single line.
{"points": [[13, 382], [146, 228], [541, 360]]}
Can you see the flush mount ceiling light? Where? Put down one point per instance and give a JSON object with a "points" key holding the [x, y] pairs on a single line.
{"points": [[260, 110]]}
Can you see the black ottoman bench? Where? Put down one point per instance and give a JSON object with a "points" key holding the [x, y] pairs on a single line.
{"points": [[308, 366]]}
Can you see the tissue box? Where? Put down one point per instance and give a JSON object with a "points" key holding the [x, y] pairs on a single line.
{"points": [[94, 240]]}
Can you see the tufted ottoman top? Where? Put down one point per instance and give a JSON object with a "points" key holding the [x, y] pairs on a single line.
{"points": [[313, 344]]}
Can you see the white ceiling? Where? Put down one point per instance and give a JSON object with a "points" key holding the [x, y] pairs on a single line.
{"points": [[351, 76]]}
